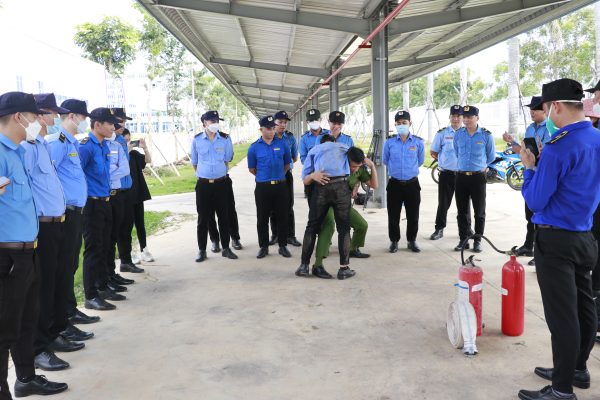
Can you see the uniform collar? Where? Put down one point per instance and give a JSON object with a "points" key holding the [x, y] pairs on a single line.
{"points": [[204, 135], [94, 139], [40, 139], [450, 128], [7, 142], [68, 135], [543, 123], [260, 140], [410, 137], [574, 126], [478, 130]]}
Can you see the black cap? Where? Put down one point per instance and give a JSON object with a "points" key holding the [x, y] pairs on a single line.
{"points": [[281, 115], [14, 102], [267, 121], [562, 89], [47, 101], [210, 116], [471, 110], [313, 115], [119, 112], [104, 114], [338, 117], [592, 90], [535, 103], [456, 110], [76, 107], [402, 115]]}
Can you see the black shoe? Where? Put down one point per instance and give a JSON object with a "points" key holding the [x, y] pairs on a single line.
{"points": [[524, 252], [128, 267], [63, 345], [477, 247], [531, 262], [80, 318], [581, 379], [358, 254], [459, 246], [544, 394], [39, 385], [75, 334], [302, 270], [215, 248], [273, 240], [413, 246], [262, 253], [116, 288], [108, 294], [320, 272], [294, 242], [237, 244], [437, 235], [345, 273], [227, 253], [48, 361], [99, 304], [201, 256], [283, 250], [597, 339], [393, 247], [119, 280]]}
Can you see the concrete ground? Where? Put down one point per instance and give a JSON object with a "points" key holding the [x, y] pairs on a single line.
{"points": [[250, 329]]}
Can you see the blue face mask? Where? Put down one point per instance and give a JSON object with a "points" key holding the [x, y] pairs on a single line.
{"points": [[402, 130], [56, 127]]}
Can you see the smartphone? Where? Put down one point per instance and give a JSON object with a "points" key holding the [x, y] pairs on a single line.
{"points": [[4, 181], [135, 143], [532, 145]]}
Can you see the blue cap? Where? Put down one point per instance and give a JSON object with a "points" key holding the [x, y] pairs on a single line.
{"points": [[14, 102], [76, 107], [471, 110], [104, 114], [402, 115], [456, 110], [267, 121], [119, 112], [47, 101], [281, 115], [210, 116]]}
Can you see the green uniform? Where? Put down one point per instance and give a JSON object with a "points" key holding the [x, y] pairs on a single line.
{"points": [[357, 222]]}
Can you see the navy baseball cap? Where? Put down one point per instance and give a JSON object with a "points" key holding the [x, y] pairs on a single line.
{"points": [[103, 114], [471, 110], [535, 103], [119, 112], [14, 102], [562, 89], [592, 90], [402, 115], [313, 115], [456, 110], [211, 116], [267, 121], [337, 117], [281, 115], [76, 107], [47, 101]]}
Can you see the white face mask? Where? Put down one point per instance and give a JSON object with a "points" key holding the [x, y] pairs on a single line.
{"points": [[214, 128], [314, 125], [83, 126], [402, 130], [33, 129], [113, 137]]}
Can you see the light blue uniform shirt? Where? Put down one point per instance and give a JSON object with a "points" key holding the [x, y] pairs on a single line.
{"points": [[539, 132], [330, 158], [210, 157], [290, 140], [119, 165], [126, 181], [443, 144], [64, 153], [95, 161], [308, 141], [47, 190], [403, 159], [345, 139], [269, 159], [19, 217], [475, 152]]}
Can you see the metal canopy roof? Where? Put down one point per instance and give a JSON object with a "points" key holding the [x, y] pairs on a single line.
{"points": [[273, 54]]}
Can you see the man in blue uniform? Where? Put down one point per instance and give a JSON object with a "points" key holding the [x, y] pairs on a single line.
{"points": [[281, 132], [19, 269], [211, 152], [64, 153], [310, 139], [97, 215], [337, 119], [595, 91], [563, 193], [442, 150], [475, 149], [269, 160], [403, 154]]}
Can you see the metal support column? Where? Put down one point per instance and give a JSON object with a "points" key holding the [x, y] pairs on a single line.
{"points": [[334, 91], [379, 79]]}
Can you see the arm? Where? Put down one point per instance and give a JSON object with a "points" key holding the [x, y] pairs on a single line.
{"points": [[386, 153], [251, 158], [294, 150], [373, 182], [84, 156], [490, 148], [303, 150], [57, 152], [540, 185], [421, 154], [229, 151], [194, 155], [455, 144], [122, 168], [147, 155], [287, 159], [316, 176], [29, 157], [435, 146]]}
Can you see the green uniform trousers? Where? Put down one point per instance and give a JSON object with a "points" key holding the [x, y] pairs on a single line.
{"points": [[357, 223]]}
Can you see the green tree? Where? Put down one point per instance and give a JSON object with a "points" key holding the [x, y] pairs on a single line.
{"points": [[111, 43]]}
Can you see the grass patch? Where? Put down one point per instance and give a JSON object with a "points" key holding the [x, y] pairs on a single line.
{"points": [[154, 220]]}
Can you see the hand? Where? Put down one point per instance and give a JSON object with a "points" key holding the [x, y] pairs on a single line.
{"points": [[143, 144], [355, 192], [320, 177], [507, 137], [335, 129], [369, 163], [527, 157], [2, 190]]}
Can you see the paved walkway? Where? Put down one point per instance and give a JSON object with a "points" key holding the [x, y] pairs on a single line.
{"points": [[249, 329]]}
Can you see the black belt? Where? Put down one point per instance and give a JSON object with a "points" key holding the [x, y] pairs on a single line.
{"points": [[52, 219], [19, 245], [114, 192], [271, 182], [335, 179], [204, 180], [556, 228], [447, 171], [404, 182], [75, 208], [99, 198], [469, 173]]}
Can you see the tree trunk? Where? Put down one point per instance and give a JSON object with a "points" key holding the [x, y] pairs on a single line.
{"points": [[406, 96], [430, 106], [597, 26], [464, 80], [513, 86]]}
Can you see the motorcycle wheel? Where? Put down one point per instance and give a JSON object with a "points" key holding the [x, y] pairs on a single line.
{"points": [[514, 177], [435, 172]]}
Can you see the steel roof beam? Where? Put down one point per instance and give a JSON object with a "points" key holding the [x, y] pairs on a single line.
{"points": [[291, 69], [266, 105], [268, 98], [285, 89], [365, 69]]}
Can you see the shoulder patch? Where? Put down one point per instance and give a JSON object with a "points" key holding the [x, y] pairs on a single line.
{"points": [[558, 137], [417, 137], [223, 135], [62, 137], [31, 141], [392, 136], [84, 140], [441, 130], [288, 133], [487, 132]]}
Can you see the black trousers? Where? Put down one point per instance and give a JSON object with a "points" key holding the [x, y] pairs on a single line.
{"points": [[97, 221], [308, 190], [596, 271], [134, 216], [470, 188], [291, 230], [53, 296], [234, 227], [69, 254], [212, 198], [408, 194], [530, 228], [337, 195], [118, 209], [446, 186], [19, 310], [271, 199], [140, 225], [563, 262]]}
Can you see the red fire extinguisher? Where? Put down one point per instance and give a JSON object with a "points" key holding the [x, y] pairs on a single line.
{"points": [[473, 276], [513, 297]]}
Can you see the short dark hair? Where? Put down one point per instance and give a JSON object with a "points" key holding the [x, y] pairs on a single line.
{"points": [[126, 132], [327, 138], [574, 106], [5, 118], [92, 122], [356, 154]]}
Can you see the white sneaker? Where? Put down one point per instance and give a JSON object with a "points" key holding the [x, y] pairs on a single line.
{"points": [[146, 255], [135, 258]]}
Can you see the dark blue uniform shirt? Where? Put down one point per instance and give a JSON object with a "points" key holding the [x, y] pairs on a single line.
{"points": [[269, 159], [95, 161]]}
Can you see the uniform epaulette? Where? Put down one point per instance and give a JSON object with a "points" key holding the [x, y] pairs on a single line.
{"points": [[558, 137], [62, 137], [223, 135], [288, 133], [84, 140], [393, 136], [487, 132], [440, 130], [31, 141]]}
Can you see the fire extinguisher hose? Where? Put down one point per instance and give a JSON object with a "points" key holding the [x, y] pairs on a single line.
{"points": [[510, 252]]}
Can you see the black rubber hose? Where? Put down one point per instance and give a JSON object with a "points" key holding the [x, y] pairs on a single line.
{"points": [[510, 252]]}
